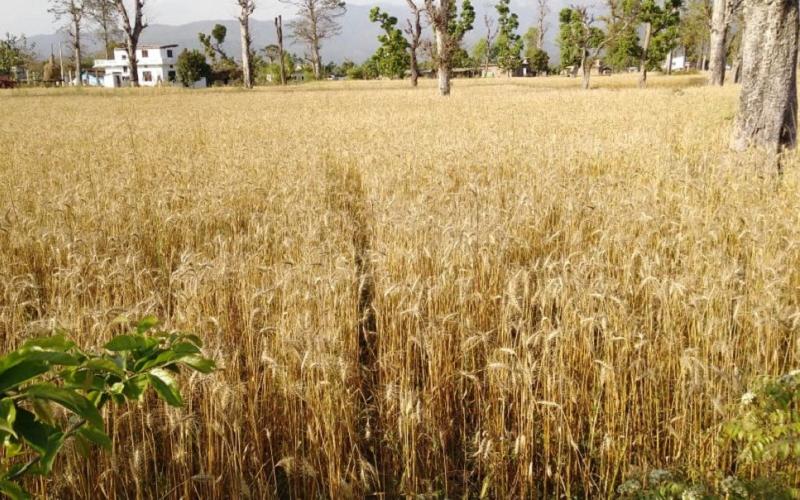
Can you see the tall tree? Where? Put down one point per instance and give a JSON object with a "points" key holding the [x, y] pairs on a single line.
{"points": [[580, 40], [694, 29], [246, 9], [414, 32], [491, 33], [133, 30], [391, 57], [449, 28], [279, 34], [14, 51], [316, 21], [661, 33], [105, 17], [541, 24], [509, 43], [212, 43], [723, 14], [767, 116], [623, 51], [73, 11]]}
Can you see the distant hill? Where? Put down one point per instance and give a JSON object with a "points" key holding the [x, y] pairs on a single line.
{"points": [[357, 41]]}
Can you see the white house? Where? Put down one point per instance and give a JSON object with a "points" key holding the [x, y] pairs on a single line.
{"points": [[679, 63], [157, 65]]}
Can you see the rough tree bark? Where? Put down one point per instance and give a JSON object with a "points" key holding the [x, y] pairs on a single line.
{"points": [[648, 30], [132, 34], [669, 62], [490, 34], [586, 69], [414, 30], [767, 115], [439, 15], [719, 35], [279, 32], [443, 59], [247, 8]]}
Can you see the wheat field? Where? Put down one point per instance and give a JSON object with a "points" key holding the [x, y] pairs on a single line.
{"points": [[522, 291]]}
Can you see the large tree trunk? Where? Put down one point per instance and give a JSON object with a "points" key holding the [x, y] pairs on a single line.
{"points": [[768, 102], [669, 62], [316, 61], [645, 49], [586, 69], [77, 49], [415, 31], [133, 62], [414, 68], [279, 32], [443, 57], [719, 35], [247, 63], [702, 60]]}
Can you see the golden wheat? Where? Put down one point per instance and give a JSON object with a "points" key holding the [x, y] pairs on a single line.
{"points": [[562, 286]]}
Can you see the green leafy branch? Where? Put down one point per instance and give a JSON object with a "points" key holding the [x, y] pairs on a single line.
{"points": [[52, 372]]}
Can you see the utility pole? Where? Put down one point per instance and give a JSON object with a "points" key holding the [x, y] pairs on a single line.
{"points": [[279, 30]]}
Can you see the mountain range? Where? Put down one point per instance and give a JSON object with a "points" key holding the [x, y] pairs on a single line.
{"points": [[356, 42]]}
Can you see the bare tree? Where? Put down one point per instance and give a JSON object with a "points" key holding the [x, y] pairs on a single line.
{"points": [[414, 31], [104, 15], [247, 8], [73, 11], [767, 115], [722, 16], [279, 32], [316, 21], [491, 33], [132, 33], [542, 12]]}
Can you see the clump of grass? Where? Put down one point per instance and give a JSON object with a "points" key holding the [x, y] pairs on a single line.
{"points": [[567, 285]]}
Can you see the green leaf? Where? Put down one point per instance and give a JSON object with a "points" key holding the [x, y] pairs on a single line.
{"points": [[165, 386], [8, 414], [183, 348], [162, 359], [194, 339], [96, 436], [135, 387], [200, 364], [54, 444], [147, 323], [21, 373], [35, 433], [104, 365], [130, 343], [13, 491], [56, 342], [70, 400]]}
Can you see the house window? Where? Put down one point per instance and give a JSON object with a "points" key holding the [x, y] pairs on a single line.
{"points": [[147, 76], [172, 76], [124, 57], [144, 53], [169, 53], [125, 70]]}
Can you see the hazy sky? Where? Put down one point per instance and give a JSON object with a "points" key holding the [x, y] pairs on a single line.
{"points": [[31, 17]]}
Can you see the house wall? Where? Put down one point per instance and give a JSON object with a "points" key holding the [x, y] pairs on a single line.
{"points": [[157, 62]]}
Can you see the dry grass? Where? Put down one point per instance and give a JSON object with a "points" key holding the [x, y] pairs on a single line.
{"points": [[563, 285]]}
